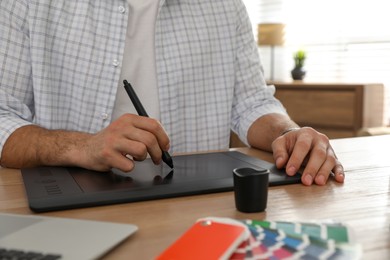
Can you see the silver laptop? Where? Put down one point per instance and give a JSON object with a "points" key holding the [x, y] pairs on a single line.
{"points": [[60, 237]]}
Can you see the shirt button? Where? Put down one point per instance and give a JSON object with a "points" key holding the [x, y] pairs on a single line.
{"points": [[104, 116], [121, 9], [115, 63]]}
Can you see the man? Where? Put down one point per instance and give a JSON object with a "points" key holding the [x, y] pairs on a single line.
{"points": [[193, 63]]}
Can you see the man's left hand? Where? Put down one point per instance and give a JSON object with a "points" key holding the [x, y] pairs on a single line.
{"points": [[308, 149]]}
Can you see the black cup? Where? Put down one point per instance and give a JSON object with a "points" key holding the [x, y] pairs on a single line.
{"points": [[250, 189]]}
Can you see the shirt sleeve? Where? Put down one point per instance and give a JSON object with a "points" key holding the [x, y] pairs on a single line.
{"points": [[252, 97], [16, 96]]}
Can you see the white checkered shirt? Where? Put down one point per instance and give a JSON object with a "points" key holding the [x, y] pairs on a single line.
{"points": [[60, 64]]}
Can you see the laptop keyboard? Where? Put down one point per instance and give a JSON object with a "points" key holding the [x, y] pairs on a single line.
{"points": [[9, 254]]}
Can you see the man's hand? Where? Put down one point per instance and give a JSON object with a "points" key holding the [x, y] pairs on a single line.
{"points": [[304, 148], [129, 136], [308, 149]]}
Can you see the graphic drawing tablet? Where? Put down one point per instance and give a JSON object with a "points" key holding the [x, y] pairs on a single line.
{"points": [[57, 188]]}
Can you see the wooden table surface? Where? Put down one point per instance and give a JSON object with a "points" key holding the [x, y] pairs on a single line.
{"points": [[362, 202]]}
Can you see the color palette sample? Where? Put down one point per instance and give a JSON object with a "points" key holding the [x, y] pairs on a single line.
{"points": [[296, 240]]}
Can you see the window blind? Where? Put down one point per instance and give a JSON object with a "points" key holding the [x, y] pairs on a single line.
{"points": [[345, 40]]}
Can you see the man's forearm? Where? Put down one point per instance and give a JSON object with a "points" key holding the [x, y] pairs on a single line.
{"points": [[32, 145], [267, 128]]}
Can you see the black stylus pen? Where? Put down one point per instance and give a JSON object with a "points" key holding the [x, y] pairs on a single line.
{"points": [[166, 157]]}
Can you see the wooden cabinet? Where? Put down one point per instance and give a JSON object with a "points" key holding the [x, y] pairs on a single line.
{"points": [[337, 110]]}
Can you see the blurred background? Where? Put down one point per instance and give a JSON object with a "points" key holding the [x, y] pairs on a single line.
{"points": [[345, 41]]}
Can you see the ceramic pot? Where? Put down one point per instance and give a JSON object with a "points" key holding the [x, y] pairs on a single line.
{"points": [[298, 73]]}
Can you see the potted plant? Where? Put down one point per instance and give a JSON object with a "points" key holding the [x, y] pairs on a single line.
{"points": [[299, 59]]}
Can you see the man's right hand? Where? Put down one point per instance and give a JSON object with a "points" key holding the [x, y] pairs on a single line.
{"points": [[129, 136]]}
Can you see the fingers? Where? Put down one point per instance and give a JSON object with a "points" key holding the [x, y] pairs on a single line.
{"points": [[152, 126], [309, 149], [319, 166], [102, 157], [338, 171], [282, 147], [290, 151], [129, 136], [139, 143], [322, 164]]}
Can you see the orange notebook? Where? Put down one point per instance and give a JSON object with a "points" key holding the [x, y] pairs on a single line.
{"points": [[206, 239]]}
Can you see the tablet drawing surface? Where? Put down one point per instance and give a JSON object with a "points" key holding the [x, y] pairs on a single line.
{"points": [[56, 188]]}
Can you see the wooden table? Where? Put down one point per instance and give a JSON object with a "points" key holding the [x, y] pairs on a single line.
{"points": [[363, 202]]}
